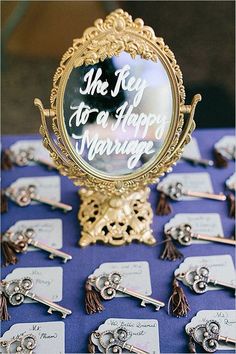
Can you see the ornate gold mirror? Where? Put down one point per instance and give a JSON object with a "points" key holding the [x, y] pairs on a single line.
{"points": [[117, 122]]}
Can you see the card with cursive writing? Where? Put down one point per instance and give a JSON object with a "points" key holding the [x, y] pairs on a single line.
{"points": [[47, 231], [47, 187], [47, 281], [196, 182], [202, 223], [36, 146], [144, 334], [226, 319], [50, 336], [135, 275], [221, 268]]}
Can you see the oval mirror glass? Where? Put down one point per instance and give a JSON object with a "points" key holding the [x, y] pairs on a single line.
{"points": [[117, 113]]}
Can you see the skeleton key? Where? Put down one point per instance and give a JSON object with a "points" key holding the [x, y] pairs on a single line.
{"points": [[184, 235], [208, 335], [176, 191], [22, 344], [25, 238], [24, 195], [199, 279], [24, 156], [202, 162], [115, 341], [18, 289], [108, 285]]}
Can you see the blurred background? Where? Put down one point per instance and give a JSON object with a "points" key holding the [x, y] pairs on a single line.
{"points": [[35, 34]]}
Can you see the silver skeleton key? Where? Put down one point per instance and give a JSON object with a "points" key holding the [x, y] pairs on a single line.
{"points": [[202, 162], [176, 191], [25, 238], [24, 156], [115, 341], [18, 289], [184, 235], [23, 196], [199, 279], [109, 284], [208, 335], [21, 344]]}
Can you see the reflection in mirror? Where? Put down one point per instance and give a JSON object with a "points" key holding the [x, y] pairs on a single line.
{"points": [[118, 112]]}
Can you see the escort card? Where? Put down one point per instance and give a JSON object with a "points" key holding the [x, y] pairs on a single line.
{"points": [[144, 333], [50, 336], [226, 319], [227, 146], [36, 145], [201, 223], [231, 182], [196, 182], [221, 268], [47, 187], [47, 231], [47, 281], [191, 150], [135, 275]]}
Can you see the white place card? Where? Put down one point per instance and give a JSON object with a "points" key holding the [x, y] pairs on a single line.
{"points": [[226, 319], [36, 145], [221, 268], [135, 275], [47, 281], [50, 336], [191, 150], [144, 333]]}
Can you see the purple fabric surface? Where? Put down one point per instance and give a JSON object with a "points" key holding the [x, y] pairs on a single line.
{"points": [[85, 260]]}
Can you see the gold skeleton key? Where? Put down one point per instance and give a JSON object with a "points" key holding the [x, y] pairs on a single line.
{"points": [[184, 235], [108, 285], [24, 195], [18, 289], [24, 239], [176, 191]]}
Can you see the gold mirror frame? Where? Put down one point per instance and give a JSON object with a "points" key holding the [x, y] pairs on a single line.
{"points": [[108, 38]]}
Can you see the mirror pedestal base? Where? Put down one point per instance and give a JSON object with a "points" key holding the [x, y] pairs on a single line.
{"points": [[115, 220]]}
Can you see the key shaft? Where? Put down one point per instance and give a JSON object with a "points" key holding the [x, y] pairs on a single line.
{"points": [[205, 195], [145, 299], [52, 306], [221, 283], [227, 339], [52, 203], [133, 349], [53, 252], [196, 161], [213, 239]]}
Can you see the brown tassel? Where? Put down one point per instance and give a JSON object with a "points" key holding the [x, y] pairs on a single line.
{"points": [[9, 250], [3, 308], [6, 162], [220, 160], [91, 346], [4, 202], [231, 202], [191, 345], [163, 207], [170, 252], [92, 300], [178, 304]]}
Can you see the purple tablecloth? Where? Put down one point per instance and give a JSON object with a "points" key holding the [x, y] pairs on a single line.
{"points": [[85, 260]]}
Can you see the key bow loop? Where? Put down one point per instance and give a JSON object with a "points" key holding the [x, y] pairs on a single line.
{"points": [[198, 279], [175, 191], [182, 233], [17, 289], [107, 285], [207, 335], [23, 344], [113, 341]]}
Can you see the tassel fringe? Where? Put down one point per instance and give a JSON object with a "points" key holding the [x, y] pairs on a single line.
{"points": [[4, 202], [92, 300], [178, 304], [220, 160], [6, 162], [163, 206], [3, 307], [9, 250], [91, 346], [231, 203], [170, 252]]}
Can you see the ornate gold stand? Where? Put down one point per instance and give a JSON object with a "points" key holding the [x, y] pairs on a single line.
{"points": [[115, 220]]}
